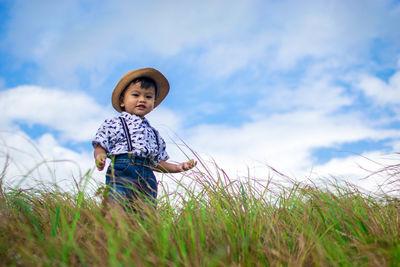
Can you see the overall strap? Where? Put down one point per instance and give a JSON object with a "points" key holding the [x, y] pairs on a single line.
{"points": [[155, 134], [128, 136], [126, 131]]}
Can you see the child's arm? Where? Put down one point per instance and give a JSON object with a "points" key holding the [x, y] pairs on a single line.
{"points": [[164, 166], [100, 156]]}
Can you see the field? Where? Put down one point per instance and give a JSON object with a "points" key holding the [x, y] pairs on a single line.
{"points": [[211, 221]]}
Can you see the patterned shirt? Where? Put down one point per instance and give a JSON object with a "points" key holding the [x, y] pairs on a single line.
{"points": [[146, 141]]}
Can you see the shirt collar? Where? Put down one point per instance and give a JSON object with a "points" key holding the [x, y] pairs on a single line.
{"points": [[133, 117]]}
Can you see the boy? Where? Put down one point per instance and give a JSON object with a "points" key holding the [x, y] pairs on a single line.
{"points": [[134, 145]]}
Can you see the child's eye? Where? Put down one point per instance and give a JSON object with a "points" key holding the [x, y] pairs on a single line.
{"points": [[149, 97], [135, 94]]}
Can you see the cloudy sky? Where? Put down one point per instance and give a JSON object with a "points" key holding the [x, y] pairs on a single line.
{"points": [[310, 88]]}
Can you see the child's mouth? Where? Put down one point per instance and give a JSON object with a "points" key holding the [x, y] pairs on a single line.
{"points": [[141, 106]]}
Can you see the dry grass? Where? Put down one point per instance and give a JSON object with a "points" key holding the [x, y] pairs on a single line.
{"points": [[212, 221]]}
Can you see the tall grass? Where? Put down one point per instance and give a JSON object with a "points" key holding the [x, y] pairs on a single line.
{"points": [[210, 221]]}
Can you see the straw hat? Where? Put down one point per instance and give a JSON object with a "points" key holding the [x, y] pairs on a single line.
{"points": [[159, 79]]}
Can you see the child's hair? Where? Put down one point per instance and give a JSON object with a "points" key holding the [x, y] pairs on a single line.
{"points": [[145, 83]]}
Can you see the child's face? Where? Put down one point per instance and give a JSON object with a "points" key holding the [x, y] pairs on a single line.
{"points": [[137, 100]]}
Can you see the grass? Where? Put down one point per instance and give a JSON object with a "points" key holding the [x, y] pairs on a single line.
{"points": [[210, 221]]}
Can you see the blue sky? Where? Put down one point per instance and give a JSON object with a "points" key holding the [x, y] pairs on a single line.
{"points": [[308, 87]]}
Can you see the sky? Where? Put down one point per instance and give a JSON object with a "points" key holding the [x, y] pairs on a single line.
{"points": [[309, 88]]}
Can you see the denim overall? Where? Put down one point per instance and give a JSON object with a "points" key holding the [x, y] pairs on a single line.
{"points": [[131, 177]]}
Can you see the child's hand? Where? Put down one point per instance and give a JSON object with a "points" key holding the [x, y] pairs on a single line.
{"points": [[101, 161], [185, 166]]}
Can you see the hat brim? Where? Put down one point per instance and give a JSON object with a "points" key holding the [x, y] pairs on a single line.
{"points": [[159, 79]]}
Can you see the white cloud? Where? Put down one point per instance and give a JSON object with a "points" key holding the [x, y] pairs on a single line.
{"points": [[380, 91], [368, 171], [223, 58], [31, 163], [94, 39], [284, 33], [73, 114], [283, 141], [165, 120], [70, 38], [320, 29], [313, 93]]}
